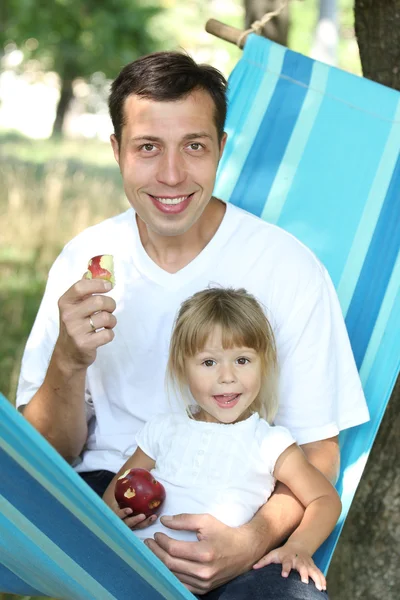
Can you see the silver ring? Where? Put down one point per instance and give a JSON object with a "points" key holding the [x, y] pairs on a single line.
{"points": [[92, 324]]}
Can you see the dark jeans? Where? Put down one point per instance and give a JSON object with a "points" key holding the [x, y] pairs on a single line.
{"points": [[266, 584], [261, 584], [98, 480]]}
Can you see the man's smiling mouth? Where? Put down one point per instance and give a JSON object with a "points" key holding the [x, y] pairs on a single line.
{"points": [[171, 200]]}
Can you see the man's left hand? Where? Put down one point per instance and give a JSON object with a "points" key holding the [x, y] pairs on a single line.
{"points": [[221, 554]]}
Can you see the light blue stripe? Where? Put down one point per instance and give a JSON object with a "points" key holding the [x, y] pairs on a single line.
{"points": [[298, 141], [98, 517], [375, 100], [381, 323], [338, 166], [25, 566], [370, 216], [230, 170]]}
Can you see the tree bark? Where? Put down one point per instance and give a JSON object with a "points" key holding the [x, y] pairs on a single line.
{"points": [[276, 29], [365, 565], [66, 95], [366, 562], [377, 27]]}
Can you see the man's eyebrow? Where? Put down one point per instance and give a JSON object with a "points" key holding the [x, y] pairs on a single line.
{"points": [[198, 134], [188, 136], [149, 138]]}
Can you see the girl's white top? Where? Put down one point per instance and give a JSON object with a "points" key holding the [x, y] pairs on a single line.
{"points": [[223, 470]]}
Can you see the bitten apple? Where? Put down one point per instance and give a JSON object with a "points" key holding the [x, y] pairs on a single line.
{"points": [[101, 267], [137, 489]]}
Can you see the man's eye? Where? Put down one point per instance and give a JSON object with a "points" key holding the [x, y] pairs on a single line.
{"points": [[209, 363], [242, 360], [195, 146], [147, 147]]}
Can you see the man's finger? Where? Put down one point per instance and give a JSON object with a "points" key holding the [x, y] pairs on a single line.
{"points": [[184, 521], [177, 564], [199, 552], [196, 585], [100, 320], [85, 287], [102, 337], [92, 304]]}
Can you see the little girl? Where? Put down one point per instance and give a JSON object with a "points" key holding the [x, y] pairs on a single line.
{"points": [[221, 455]]}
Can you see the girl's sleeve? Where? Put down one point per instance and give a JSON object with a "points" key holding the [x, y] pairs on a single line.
{"points": [[275, 441], [149, 437]]}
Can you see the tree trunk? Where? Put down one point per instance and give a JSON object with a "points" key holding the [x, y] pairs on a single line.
{"points": [[377, 27], [276, 29], [326, 33], [365, 565], [66, 95], [366, 562]]}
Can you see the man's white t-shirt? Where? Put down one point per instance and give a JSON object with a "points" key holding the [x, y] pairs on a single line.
{"points": [[225, 470], [320, 391]]}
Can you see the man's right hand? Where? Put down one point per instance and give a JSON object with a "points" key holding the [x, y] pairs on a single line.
{"points": [[81, 306]]}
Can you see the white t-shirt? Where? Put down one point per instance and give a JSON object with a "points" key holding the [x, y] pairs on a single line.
{"points": [[320, 391], [223, 470]]}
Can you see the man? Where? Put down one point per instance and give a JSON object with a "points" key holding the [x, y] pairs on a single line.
{"points": [[93, 369]]}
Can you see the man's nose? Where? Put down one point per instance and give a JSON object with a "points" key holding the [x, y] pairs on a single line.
{"points": [[171, 169]]}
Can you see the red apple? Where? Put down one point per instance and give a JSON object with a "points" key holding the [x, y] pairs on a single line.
{"points": [[101, 267], [137, 489]]}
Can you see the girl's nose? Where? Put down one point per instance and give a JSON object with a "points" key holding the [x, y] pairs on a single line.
{"points": [[227, 375]]}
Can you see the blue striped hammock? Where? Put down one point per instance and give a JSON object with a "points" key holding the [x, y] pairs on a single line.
{"points": [[315, 150]]}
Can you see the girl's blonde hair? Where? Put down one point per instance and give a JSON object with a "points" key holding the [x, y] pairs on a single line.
{"points": [[243, 324]]}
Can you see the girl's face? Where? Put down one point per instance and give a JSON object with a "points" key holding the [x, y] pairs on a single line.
{"points": [[224, 382]]}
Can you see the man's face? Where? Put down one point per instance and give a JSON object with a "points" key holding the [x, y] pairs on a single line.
{"points": [[168, 158]]}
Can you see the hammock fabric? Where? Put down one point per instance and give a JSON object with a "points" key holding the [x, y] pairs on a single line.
{"points": [[315, 150]]}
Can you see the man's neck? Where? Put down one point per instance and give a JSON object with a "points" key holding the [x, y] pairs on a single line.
{"points": [[173, 253]]}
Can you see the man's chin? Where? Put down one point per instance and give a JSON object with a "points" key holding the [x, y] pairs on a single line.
{"points": [[171, 225]]}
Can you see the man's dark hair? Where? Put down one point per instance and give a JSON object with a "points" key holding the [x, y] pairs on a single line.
{"points": [[166, 76]]}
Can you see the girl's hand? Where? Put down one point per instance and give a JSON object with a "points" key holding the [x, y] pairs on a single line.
{"points": [[133, 521], [293, 556]]}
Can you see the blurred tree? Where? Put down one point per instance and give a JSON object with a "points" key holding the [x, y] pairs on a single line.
{"points": [[366, 562], [276, 29], [77, 39], [326, 38]]}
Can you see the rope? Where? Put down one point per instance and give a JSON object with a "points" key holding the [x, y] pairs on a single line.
{"points": [[258, 25]]}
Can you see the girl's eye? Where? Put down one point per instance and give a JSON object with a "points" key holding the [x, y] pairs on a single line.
{"points": [[209, 363], [242, 360]]}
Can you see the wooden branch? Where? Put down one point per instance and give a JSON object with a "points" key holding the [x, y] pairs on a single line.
{"points": [[225, 32]]}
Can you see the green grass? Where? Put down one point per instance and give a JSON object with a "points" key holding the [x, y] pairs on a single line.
{"points": [[52, 191]]}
